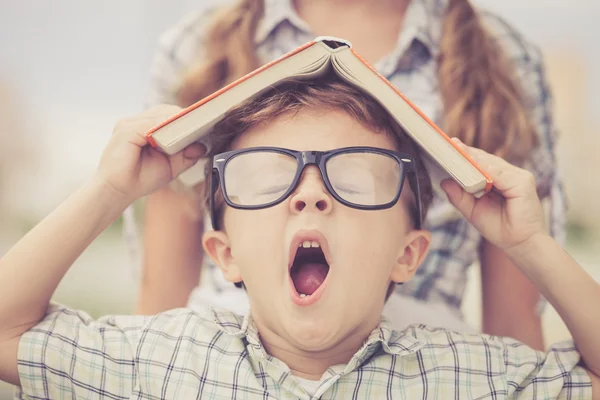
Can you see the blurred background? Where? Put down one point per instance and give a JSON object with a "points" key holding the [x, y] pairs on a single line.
{"points": [[70, 69]]}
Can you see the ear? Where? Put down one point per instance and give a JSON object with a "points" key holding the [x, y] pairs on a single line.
{"points": [[411, 255], [216, 244]]}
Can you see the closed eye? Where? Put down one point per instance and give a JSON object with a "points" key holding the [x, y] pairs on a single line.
{"points": [[274, 190], [347, 190]]}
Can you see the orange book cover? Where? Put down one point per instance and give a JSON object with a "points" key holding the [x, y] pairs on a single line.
{"points": [[489, 181], [224, 89]]}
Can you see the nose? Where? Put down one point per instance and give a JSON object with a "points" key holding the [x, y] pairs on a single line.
{"points": [[311, 193]]}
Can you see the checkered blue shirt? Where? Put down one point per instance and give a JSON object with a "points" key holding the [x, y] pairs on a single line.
{"points": [[218, 355], [412, 68]]}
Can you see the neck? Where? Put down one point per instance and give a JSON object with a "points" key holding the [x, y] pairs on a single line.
{"points": [[352, 5], [371, 26], [312, 364]]}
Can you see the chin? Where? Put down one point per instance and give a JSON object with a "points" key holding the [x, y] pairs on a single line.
{"points": [[312, 333]]}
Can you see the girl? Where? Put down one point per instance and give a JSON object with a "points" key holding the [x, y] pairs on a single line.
{"points": [[471, 73]]}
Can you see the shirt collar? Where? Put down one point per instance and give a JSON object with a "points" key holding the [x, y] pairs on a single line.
{"points": [[276, 12], [423, 22], [382, 337], [236, 325]]}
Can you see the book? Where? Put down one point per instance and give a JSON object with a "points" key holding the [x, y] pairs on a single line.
{"points": [[310, 61]]}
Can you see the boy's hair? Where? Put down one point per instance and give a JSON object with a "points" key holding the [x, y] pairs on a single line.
{"points": [[483, 103], [326, 94]]}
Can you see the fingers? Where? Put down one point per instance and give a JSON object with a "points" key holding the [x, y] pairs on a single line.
{"points": [[461, 200], [505, 175], [194, 151], [134, 128], [186, 158]]}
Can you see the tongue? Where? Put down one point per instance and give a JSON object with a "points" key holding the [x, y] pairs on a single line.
{"points": [[309, 277]]}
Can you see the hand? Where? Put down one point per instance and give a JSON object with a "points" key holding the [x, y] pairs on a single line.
{"points": [[508, 216], [131, 167]]}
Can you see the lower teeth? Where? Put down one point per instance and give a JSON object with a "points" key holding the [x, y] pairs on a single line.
{"points": [[302, 295]]}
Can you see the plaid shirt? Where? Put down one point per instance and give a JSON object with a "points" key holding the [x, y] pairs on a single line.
{"points": [[412, 68], [218, 355]]}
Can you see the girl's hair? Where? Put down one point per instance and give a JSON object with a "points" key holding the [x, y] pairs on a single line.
{"points": [[483, 104], [323, 95], [229, 51]]}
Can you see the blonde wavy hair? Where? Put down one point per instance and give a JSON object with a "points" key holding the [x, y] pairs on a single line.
{"points": [[483, 103]]}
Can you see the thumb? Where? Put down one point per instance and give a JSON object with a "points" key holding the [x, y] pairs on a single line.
{"points": [[186, 158], [461, 200]]}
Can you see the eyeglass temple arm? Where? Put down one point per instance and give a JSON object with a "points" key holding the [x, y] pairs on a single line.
{"points": [[413, 181], [214, 177]]}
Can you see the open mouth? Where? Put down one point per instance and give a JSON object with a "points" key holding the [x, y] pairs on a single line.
{"points": [[309, 269]]}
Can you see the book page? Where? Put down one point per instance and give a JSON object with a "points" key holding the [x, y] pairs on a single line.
{"points": [[436, 146], [192, 126]]}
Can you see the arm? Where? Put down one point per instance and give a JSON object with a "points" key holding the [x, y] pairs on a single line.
{"points": [[172, 255], [573, 293], [31, 270], [40, 260], [513, 220], [515, 315]]}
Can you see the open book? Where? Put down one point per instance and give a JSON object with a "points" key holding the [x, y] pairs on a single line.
{"points": [[311, 61]]}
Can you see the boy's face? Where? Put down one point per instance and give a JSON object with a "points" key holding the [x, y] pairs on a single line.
{"points": [[364, 250]]}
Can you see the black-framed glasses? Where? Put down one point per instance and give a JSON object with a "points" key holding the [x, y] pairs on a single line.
{"points": [[365, 178]]}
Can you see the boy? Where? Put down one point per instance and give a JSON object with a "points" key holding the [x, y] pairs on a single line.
{"points": [[312, 215]]}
